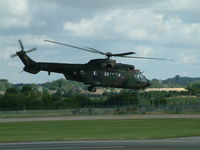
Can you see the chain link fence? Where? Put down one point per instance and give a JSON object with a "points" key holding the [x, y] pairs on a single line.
{"points": [[104, 111], [170, 108]]}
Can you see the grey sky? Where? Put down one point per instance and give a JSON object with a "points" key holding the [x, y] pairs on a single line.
{"points": [[154, 28]]}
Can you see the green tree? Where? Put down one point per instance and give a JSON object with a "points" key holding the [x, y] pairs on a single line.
{"points": [[12, 91], [124, 98], [194, 88], [79, 101]]}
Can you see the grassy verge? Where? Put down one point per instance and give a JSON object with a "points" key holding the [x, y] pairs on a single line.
{"points": [[99, 129]]}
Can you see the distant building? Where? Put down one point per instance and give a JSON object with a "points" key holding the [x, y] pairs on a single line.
{"points": [[166, 89], [2, 92]]}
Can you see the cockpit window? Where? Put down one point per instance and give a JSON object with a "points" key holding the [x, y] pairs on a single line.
{"points": [[141, 77]]}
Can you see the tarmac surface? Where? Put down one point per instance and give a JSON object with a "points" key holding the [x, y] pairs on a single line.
{"points": [[91, 117], [189, 143]]}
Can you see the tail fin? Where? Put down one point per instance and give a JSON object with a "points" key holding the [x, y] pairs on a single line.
{"points": [[27, 61], [30, 65]]}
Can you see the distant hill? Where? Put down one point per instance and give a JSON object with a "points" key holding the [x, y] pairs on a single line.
{"points": [[64, 86], [175, 82], [181, 81], [61, 86]]}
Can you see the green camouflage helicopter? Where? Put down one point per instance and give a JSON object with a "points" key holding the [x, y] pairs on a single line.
{"points": [[97, 72]]}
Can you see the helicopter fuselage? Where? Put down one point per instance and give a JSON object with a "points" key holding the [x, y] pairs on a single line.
{"points": [[97, 72]]}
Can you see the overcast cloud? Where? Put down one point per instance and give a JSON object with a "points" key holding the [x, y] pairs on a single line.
{"points": [[154, 28]]}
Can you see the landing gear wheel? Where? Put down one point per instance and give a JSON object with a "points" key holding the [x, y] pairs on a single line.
{"points": [[92, 88]]}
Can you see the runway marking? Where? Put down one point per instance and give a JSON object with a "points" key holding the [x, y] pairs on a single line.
{"points": [[157, 144], [176, 140]]}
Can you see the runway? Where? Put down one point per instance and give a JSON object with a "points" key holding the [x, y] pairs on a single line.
{"points": [[106, 117], [190, 143]]}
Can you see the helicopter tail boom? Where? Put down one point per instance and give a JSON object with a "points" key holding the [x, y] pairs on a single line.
{"points": [[30, 65]]}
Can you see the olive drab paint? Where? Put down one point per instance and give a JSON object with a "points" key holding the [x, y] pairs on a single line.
{"points": [[97, 72]]}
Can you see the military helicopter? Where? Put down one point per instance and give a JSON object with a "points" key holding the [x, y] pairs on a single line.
{"points": [[97, 72]]}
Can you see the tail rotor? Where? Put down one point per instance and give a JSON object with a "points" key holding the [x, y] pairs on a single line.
{"points": [[21, 45], [22, 49]]}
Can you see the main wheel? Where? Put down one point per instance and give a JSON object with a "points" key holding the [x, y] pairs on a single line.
{"points": [[92, 88]]}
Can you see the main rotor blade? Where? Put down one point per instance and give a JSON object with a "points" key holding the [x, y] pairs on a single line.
{"points": [[98, 51], [20, 43], [148, 58], [13, 55], [122, 54], [31, 50], [71, 46], [110, 54]]}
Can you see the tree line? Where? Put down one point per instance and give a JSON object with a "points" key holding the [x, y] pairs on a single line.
{"points": [[29, 98]]}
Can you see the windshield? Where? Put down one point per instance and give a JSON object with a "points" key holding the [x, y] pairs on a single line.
{"points": [[141, 77]]}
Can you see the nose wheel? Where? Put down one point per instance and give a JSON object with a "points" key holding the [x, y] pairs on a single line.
{"points": [[92, 88]]}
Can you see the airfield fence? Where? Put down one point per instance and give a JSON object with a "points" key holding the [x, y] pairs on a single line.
{"points": [[102, 111], [170, 108], [137, 110]]}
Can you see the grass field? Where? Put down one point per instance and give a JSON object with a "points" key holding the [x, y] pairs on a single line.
{"points": [[99, 129]]}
